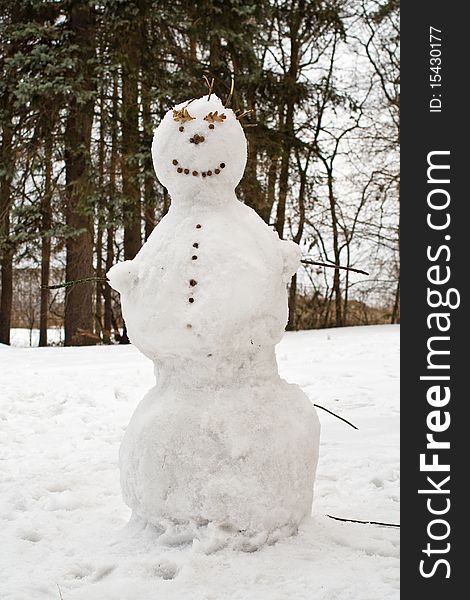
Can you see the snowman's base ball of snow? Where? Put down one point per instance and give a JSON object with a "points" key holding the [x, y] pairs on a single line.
{"points": [[240, 459]]}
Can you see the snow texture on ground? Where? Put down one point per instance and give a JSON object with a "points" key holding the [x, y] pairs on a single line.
{"points": [[63, 412]]}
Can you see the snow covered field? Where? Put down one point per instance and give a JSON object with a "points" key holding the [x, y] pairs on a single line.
{"points": [[24, 338], [63, 412]]}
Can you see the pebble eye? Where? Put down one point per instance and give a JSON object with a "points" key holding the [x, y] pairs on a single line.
{"points": [[211, 126], [181, 128]]}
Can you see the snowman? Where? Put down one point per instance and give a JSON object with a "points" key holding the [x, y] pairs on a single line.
{"points": [[221, 443]]}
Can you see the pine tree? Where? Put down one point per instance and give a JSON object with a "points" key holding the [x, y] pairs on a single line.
{"points": [[81, 45]]}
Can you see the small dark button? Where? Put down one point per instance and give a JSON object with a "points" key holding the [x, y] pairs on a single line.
{"points": [[209, 173], [222, 165], [203, 174], [191, 300], [179, 169], [195, 245], [181, 128], [194, 257], [192, 282], [211, 126], [175, 162], [217, 171], [195, 173], [186, 171], [198, 226]]}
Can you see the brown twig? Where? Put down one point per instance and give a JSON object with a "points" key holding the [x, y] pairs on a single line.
{"points": [[307, 261], [229, 97], [67, 284], [210, 85], [335, 415], [244, 113], [364, 522]]}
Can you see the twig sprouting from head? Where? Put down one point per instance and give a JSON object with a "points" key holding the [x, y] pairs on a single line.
{"points": [[229, 97], [210, 85]]}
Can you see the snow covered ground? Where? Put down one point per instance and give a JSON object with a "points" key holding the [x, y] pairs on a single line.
{"points": [[63, 412], [24, 338]]}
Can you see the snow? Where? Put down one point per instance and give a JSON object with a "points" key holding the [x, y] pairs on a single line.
{"points": [[173, 152], [23, 338], [221, 450], [63, 412], [212, 276], [231, 462], [237, 283]]}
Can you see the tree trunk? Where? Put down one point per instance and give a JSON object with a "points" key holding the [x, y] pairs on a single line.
{"points": [[336, 277], [284, 171], [130, 150], [396, 305], [6, 249], [253, 194], [6, 300], [46, 224], [149, 191], [79, 246], [130, 147], [108, 309], [271, 191], [214, 54], [290, 92], [99, 284], [166, 201], [292, 323], [100, 212]]}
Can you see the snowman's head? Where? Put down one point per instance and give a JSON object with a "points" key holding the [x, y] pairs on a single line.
{"points": [[199, 147]]}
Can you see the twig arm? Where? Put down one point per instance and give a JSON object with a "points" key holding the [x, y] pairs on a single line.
{"points": [[307, 261], [335, 415], [67, 284]]}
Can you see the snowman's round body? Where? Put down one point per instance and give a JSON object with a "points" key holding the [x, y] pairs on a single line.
{"points": [[221, 439]]}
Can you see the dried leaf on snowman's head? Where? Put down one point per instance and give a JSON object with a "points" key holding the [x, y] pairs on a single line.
{"points": [[214, 117], [182, 115]]}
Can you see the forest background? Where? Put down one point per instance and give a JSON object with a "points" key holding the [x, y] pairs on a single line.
{"points": [[83, 84]]}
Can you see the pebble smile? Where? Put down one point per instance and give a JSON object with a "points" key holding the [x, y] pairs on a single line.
{"points": [[184, 171]]}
